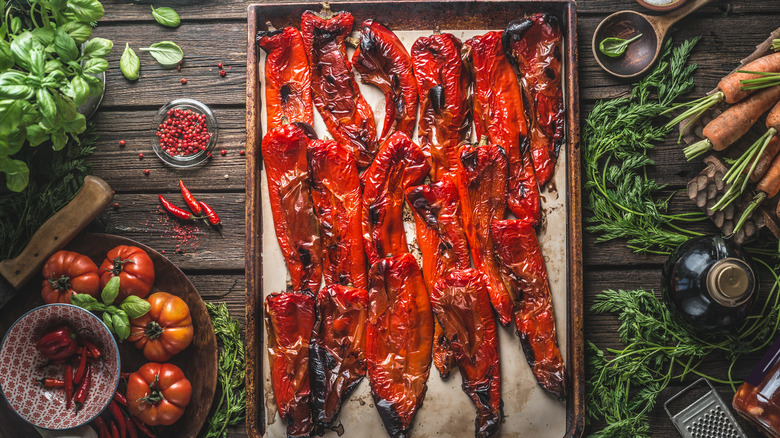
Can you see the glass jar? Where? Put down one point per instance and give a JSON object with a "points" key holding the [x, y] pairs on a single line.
{"points": [[758, 399]]}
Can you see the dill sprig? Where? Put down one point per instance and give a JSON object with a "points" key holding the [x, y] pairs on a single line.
{"points": [[617, 136], [231, 408]]}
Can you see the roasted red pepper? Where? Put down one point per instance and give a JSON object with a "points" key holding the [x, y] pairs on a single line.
{"points": [[289, 192], [534, 45], [445, 100], [443, 246], [382, 60], [287, 78], [335, 92], [399, 341], [336, 193], [481, 181], [461, 303], [57, 343], [499, 113], [337, 350], [399, 164], [289, 318], [523, 269]]}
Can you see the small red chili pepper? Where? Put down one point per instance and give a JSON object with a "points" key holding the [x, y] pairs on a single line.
{"points": [[132, 430], [79, 376], [68, 385], [143, 428], [57, 343], [122, 143], [114, 430], [189, 199], [81, 393], [176, 211], [120, 398], [50, 382], [183, 81], [92, 349], [211, 214], [116, 412], [102, 428]]}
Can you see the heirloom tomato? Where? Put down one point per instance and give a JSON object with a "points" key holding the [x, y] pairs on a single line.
{"points": [[133, 267], [163, 331], [158, 393], [68, 273]]}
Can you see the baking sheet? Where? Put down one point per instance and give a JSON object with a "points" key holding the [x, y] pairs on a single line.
{"points": [[446, 411]]}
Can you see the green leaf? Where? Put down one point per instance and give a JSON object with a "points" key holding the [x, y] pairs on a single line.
{"points": [[6, 58], [108, 320], [135, 307], [13, 86], [46, 104], [52, 65], [121, 324], [36, 134], [80, 90], [167, 53], [16, 25], [10, 115], [97, 48], [130, 64], [21, 47], [65, 46], [87, 302], [55, 79], [614, 47], [38, 63], [166, 16], [95, 85], [110, 291], [86, 10], [58, 140], [95, 66], [17, 175], [44, 34], [78, 30]]}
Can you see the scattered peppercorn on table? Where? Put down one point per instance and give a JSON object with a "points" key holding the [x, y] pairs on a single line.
{"points": [[213, 37]]}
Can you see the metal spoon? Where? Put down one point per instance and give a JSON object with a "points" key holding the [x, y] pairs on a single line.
{"points": [[642, 53]]}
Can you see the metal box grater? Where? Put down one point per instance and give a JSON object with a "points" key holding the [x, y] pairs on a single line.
{"points": [[707, 417]]}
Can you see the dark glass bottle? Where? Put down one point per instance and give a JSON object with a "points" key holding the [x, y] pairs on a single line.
{"points": [[710, 283]]}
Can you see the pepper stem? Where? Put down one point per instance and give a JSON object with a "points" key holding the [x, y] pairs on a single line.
{"points": [[153, 330], [483, 140], [61, 284], [270, 26], [326, 13]]}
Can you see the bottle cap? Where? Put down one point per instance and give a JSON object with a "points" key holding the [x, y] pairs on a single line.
{"points": [[731, 282]]}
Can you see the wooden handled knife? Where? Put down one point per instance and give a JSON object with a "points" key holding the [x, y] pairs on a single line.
{"points": [[53, 235]]}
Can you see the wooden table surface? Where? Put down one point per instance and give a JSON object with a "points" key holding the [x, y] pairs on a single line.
{"points": [[214, 31]]}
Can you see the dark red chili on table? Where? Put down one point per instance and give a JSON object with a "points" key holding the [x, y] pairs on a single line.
{"points": [[116, 412], [120, 398], [68, 385], [132, 430], [189, 199], [114, 428], [143, 428], [57, 343], [102, 428], [176, 211], [81, 393]]}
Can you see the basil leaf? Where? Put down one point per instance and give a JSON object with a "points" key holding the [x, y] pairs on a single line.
{"points": [[166, 16], [10, 115], [87, 302], [110, 291], [13, 86], [54, 79], [121, 324], [135, 307], [79, 31], [58, 140], [130, 64], [614, 47], [44, 34], [53, 65], [17, 175], [6, 58], [38, 62], [95, 85], [21, 47], [167, 53], [95, 66], [86, 10], [80, 91], [46, 104], [37, 135], [97, 48], [16, 25], [109, 322], [65, 46]]}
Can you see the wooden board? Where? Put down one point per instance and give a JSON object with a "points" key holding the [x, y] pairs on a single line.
{"points": [[466, 16], [198, 361]]}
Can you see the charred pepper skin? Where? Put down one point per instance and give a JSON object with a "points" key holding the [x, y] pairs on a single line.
{"points": [[289, 318], [499, 113], [443, 245], [289, 189], [461, 304], [335, 91], [533, 44], [336, 192], [443, 84], [399, 164], [399, 336], [383, 61], [287, 78], [337, 350], [523, 270]]}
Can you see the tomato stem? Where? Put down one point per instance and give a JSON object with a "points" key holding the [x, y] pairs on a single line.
{"points": [[155, 396], [61, 284], [118, 264], [153, 330]]}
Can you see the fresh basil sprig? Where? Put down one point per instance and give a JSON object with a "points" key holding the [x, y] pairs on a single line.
{"points": [[130, 64], [116, 318], [166, 16], [167, 53], [614, 47]]}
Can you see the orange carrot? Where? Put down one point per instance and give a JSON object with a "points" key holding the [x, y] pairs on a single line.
{"points": [[765, 160], [770, 183]]}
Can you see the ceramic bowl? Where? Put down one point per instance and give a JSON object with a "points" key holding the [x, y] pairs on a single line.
{"points": [[22, 368]]}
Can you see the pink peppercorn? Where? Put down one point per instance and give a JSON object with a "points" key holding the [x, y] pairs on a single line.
{"points": [[141, 156], [183, 81], [219, 65], [122, 143], [146, 172], [222, 73], [223, 152]]}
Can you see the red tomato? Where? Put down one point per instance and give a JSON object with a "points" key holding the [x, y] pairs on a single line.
{"points": [[134, 268], [68, 273], [165, 330], [158, 393]]}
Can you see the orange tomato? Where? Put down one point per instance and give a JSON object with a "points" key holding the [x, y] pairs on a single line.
{"points": [[165, 330]]}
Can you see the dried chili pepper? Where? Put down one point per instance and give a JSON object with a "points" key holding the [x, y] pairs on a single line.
{"points": [[287, 77], [50, 382], [82, 369], [443, 246], [337, 350], [116, 412], [81, 393], [289, 187], [534, 45], [399, 341], [383, 61], [189, 199], [57, 343], [336, 193], [102, 428], [461, 303], [176, 211], [523, 269], [499, 113], [289, 322], [347, 115], [445, 100], [481, 181], [399, 164]]}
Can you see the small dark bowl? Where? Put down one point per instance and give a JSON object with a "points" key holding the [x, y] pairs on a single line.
{"points": [[639, 55]]}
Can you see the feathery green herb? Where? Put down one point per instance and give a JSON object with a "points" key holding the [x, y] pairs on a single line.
{"points": [[618, 134], [231, 408]]}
